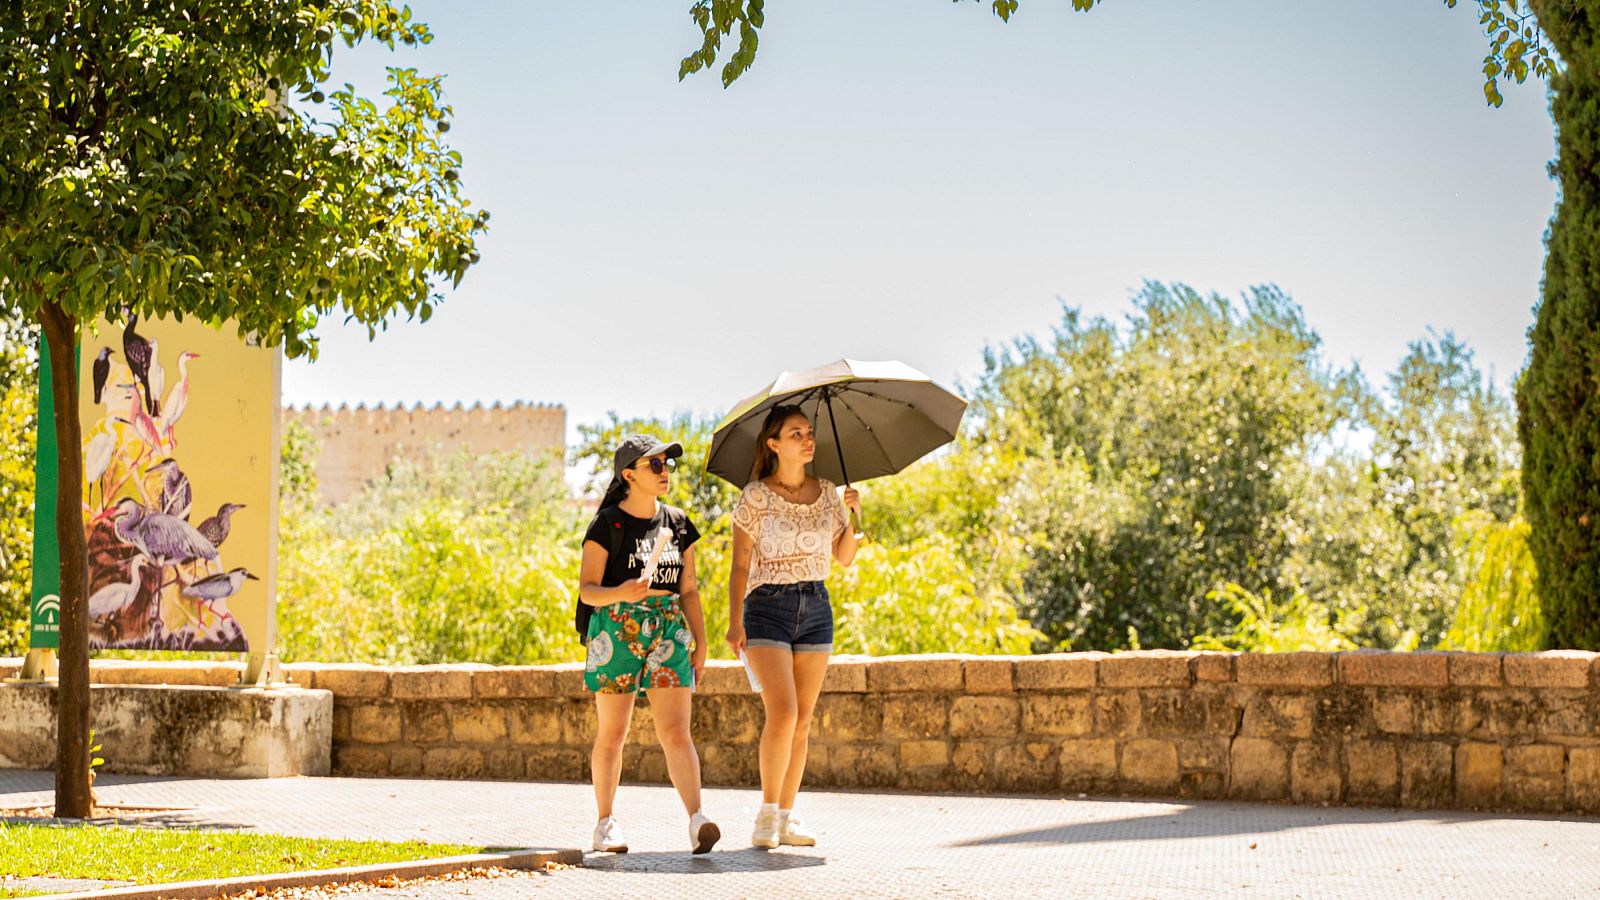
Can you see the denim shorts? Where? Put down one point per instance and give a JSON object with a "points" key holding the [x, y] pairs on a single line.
{"points": [[797, 617]]}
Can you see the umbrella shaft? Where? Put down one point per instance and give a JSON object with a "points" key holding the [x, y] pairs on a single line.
{"points": [[843, 471]]}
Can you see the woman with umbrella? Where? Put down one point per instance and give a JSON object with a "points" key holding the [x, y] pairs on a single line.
{"points": [[881, 417], [787, 525]]}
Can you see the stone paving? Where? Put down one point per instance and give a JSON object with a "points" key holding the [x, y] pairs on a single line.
{"points": [[902, 845]]}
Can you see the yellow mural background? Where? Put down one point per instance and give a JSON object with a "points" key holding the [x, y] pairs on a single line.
{"points": [[226, 442]]}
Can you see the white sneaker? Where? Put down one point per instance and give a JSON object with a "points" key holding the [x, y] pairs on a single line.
{"points": [[766, 833], [608, 836], [794, 833], [703, 833]]}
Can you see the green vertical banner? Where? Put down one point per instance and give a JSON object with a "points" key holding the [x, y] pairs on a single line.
{"points": [[44, 624]]}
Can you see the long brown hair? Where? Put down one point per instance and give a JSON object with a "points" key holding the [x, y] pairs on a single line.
{"points": [[766, 459]]}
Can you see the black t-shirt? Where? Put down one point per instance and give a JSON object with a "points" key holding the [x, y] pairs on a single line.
{"points": [[638, 539]]}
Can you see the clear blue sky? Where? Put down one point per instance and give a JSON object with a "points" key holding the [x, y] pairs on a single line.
{"points": [[917, 180]]}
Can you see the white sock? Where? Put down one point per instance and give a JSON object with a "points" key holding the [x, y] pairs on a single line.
{"points": [[785, 813], [769, 808]]}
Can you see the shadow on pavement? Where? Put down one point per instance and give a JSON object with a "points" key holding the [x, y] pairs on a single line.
{"points": [[681, 862], [1224, 820]]}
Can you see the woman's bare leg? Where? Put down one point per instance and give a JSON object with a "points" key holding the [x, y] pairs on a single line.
{"points": [[671, 708], [774, 668], [809, 669], [605, 763]]}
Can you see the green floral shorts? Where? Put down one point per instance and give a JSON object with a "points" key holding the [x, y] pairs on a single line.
{"points": [[639, 646]]}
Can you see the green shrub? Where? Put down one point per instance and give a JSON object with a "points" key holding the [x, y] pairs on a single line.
{"points": [[474, 558], [921, 597], [19, 403], [1499, 610], [1267, 626]]}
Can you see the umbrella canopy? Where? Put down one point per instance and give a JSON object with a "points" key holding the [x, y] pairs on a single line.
{"points": [[871, 418]]}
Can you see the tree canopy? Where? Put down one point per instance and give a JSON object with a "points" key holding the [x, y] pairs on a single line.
{"points": [[1517, 46], [181, 157], [1558, 395]]}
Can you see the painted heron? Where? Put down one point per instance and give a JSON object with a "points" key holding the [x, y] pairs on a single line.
{"points": [[166, 540], [213, 591], [176, 495], [136, 350], [215, 529]]}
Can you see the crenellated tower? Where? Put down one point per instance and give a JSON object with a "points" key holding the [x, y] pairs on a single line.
{"points": [[359, 441]]}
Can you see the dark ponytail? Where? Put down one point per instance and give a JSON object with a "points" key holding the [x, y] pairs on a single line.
{"points": [[766, 460], [616, 492]]}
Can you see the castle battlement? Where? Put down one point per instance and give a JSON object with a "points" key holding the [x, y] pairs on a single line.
{"points": [[359, 441]]}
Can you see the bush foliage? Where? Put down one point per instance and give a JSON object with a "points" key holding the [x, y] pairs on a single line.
{"points": [[1197, 476], [19, 402], [466, 558]]}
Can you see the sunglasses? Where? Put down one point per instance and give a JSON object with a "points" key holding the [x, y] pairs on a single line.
{"points": [[659, 465]]}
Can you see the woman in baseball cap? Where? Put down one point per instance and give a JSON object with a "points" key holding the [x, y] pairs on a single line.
{"points": [[645, 630]]}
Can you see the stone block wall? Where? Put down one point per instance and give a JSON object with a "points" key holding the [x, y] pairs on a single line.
{"points": [[184, 726], [1419, 730]]}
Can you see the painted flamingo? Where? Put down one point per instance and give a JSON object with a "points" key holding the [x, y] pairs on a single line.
{"points": [[143, 425], [178, 399]]}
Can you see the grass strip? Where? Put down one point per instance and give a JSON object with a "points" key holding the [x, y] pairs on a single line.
{"points": [[157, 856]]}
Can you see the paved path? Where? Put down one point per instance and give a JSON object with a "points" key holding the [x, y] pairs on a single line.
{"points": [[900, 845]]}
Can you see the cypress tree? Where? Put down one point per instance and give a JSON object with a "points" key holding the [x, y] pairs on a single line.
{"points": [[1558, 395]]}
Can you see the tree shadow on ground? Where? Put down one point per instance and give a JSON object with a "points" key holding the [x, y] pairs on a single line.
{"points": [[745, 860], [1225, 819]]}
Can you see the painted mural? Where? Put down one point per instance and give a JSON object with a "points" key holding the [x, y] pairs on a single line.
{"points": [[170, 484]]}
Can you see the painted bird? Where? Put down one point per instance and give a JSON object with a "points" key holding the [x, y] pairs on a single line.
{"points": [[156, 379], [102, 371], [116, 394], [178, 399], [115, 596], [176, 496], [142, 425], [213, 591], [166, 540], [97, 455], [215, 529], [136, 350]]}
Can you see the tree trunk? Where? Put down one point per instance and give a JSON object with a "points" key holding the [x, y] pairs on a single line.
{"points": [[73, 797]]}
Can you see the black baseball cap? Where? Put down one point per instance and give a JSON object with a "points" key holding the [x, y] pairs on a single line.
{"points": [[633, 448]]}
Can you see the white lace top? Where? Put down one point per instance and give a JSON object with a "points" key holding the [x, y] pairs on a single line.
{"points": [[793, 541]]}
